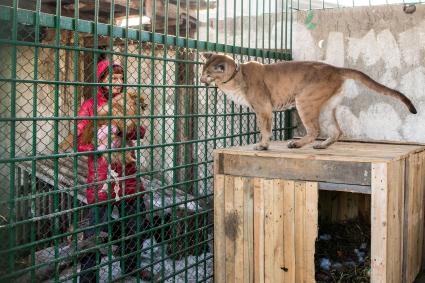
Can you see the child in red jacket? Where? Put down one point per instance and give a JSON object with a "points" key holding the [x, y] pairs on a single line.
{"points": [[98, 194]]}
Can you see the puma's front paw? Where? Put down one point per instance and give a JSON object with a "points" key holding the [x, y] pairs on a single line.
{"points": [[261, 147], [320, 146], [293, 144]]}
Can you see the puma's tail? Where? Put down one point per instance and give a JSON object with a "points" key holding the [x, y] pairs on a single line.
{"points": [[370, 83]]}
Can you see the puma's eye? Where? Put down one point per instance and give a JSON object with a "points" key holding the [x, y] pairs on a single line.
{"points": [[219, 67]]}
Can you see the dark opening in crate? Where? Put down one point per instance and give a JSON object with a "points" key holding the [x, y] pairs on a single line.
{"points": [[343, 244]]}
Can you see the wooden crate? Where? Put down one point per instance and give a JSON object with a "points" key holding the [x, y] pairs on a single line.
{"points": [[266, 208]]}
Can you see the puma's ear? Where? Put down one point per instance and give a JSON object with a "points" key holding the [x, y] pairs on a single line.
{"points": [[207, 55], [220, 67]]}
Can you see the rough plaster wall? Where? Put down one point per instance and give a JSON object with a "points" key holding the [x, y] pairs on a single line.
{"points": [[383, 42], [24, 107], [157, 95]]}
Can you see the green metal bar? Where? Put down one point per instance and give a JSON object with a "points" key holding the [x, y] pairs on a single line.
{"points": [[275, 26], [12, 176], [34, 138], [281, 49], [56, 134], [232, 104], [91, 84], [72, 118], [207, 90], [163, 131], [249, 28], [124, 142], [196, 129], [109, 205], [75, 131], [290, 30], [270, 27], [87, 49], [248, 138], [139, 198], [262, 30], [186, 130], [152, 138], [212, 47], [175, 135], [242, 60], [226, 49], [95, 128]]}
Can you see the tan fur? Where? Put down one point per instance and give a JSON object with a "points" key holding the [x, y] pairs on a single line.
{"points": [[87, 136], [311, 87]]}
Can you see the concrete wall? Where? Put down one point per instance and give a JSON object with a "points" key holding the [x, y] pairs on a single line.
{"points": [[385, 43]]}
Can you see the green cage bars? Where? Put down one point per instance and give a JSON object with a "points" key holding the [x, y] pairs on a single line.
{"points": [[49, 53]]}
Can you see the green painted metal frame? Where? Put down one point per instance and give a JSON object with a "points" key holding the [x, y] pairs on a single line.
{"points": [[221, 134]]}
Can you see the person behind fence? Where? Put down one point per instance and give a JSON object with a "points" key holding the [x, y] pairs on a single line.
{"points": [[98, 194]]}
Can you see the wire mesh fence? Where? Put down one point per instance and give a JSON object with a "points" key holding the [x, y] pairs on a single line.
{"points": [[53, 228]]}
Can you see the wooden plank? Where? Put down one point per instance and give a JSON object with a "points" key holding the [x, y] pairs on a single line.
{"points": [[342, 212], [335, 216], [325, 206], [219, 234], [407, 229], [311, 229], [290, 168], [229, 216], [421, 211], [289, 230], [414, 211], [353, 205], [248, 232], [344, 188], [379, 223], [300, 268], [239, 228], [268, 231], [258, 231], [340, 151], [278, 235], [364, 207], [218, 162], [395, 194]]}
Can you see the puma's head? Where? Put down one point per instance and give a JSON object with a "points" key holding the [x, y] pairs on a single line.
{"points": [[218, 68]]}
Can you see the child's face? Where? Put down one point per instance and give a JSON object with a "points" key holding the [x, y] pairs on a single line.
{"points": [[116, 79]]}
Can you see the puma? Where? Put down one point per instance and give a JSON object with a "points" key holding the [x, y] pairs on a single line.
{"points": [[314, 88]]}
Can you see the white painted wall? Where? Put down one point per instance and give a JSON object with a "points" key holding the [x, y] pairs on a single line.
{"points": [[384, 43]]}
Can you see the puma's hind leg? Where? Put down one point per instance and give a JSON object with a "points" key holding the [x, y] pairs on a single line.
{"points": [[312, 128], [310, 119], [329, 122], [333, 128]]}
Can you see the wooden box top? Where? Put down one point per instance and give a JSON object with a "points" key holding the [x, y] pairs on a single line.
{"points": [[341, 163], [340, 151]]}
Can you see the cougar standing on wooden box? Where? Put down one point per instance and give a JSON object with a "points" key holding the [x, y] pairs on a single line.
{"points": [[314, 88]]}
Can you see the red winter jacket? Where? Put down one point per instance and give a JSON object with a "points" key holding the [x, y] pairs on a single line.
{"points": [[87, 109]]}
